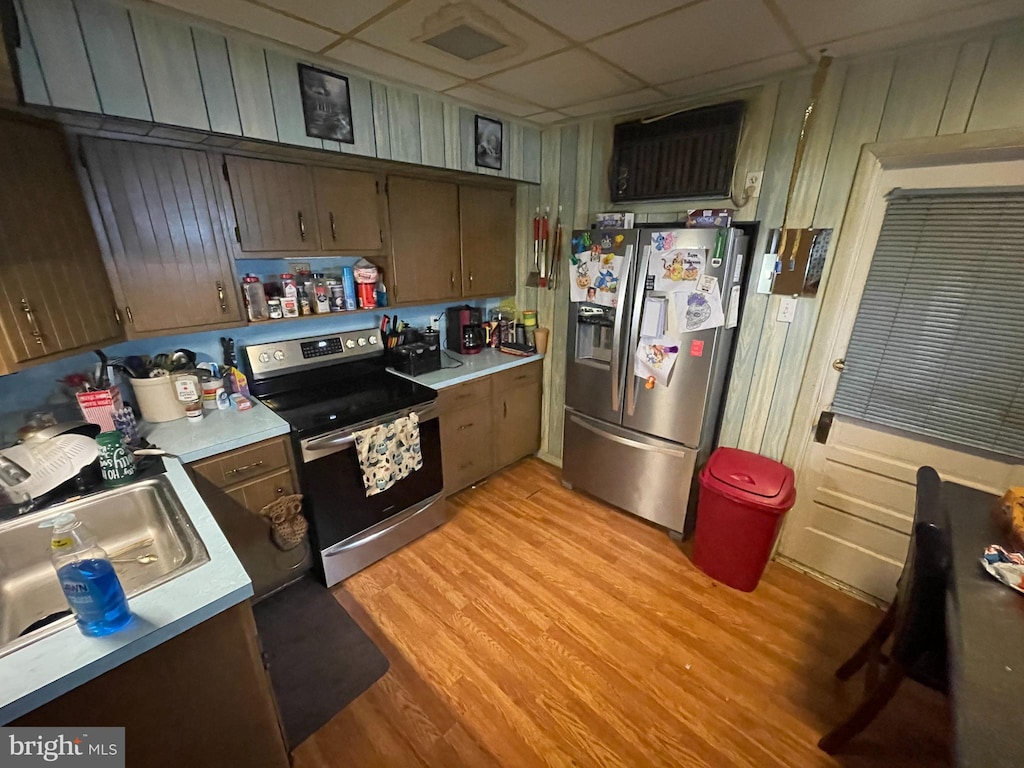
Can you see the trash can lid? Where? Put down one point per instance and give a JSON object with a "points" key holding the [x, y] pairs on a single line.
{"points": [[750, 473]]}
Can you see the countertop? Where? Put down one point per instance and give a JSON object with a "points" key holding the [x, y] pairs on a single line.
{"points": [[985, 623], [47, 668], [219, 431], [472, 367]]}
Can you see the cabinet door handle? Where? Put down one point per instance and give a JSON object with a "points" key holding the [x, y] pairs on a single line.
{"points": [[504, 409], [464, 426], [128, 314], [220, 295], [334, 230], [280, 491], [302, 227], [117, 315], [451, 279], [244, 467], [471, 278], [36, 333]]}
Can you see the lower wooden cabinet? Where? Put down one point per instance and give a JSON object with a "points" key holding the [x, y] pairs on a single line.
{"points": [[254, 495], [202, 698], [488, 423], [254, 475]]}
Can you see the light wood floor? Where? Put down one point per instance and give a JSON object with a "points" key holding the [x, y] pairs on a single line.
{"points": [[540, 627]]}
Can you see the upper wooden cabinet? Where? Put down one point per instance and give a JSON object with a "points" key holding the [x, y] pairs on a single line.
{"points": [[487, 222], [451, 240], [275, 208], [167, 250], [424, 217], [54, 295], [348, 210]]}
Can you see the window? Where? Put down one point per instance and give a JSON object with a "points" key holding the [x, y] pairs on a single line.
{"points": [[690, 154], [938, 344]]}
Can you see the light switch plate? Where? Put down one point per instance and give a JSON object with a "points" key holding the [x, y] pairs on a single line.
{"points": [[787, 309]]}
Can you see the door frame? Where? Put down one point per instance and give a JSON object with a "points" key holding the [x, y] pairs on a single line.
{"points": [[841, 290]]}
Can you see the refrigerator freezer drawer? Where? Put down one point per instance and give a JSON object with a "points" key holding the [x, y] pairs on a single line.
{"points": [[644, 475]]}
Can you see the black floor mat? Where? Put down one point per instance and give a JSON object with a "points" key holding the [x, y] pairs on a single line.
{"points": [[319, 658]]}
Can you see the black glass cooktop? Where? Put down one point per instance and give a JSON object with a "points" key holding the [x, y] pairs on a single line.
{"points": [[318, 403]]}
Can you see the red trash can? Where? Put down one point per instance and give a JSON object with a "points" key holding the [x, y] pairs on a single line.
{"points": [[743, 497]]}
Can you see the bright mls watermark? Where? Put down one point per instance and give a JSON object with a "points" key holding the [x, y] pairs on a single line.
{"points": [[81, 747]]}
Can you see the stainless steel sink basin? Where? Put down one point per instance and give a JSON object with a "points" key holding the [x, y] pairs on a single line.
{"points": [[119, 519]]}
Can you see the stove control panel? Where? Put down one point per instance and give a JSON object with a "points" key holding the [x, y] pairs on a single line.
{"points": [[291, 355]]}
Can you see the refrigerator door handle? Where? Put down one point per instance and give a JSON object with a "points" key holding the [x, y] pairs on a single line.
{"points": [[617, 330], [634, 328], [623, 440]]}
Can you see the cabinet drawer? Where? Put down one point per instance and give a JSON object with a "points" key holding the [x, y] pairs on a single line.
{"points": [[466, 450], [255, 495], [461, 395], [238, 466], [519, 376]]}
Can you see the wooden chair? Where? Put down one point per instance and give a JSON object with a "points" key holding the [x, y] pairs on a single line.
{"points": [[916, 621]]}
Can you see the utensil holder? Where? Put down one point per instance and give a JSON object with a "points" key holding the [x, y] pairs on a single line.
{"points": [[157, 400]]}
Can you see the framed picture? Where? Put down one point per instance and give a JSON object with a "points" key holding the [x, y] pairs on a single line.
{"points": [[325, 104], [488, 143]]}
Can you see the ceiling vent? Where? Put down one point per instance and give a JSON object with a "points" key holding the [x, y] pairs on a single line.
{"points": [[466, 32], [465, 42]]}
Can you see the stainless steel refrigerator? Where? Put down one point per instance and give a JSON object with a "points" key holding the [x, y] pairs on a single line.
{"points": [[629, 439]]}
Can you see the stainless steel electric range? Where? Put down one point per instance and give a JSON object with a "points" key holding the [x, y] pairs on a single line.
{"points": [[327, 388]]}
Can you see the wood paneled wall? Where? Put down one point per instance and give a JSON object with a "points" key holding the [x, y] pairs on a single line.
{"points": [[954, 86], [100, 57]]}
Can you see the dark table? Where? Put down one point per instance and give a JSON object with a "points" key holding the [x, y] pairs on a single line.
{"points": [[985, 624]]}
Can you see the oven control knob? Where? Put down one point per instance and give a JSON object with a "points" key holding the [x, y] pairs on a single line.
{"points": [[372, 340], [264, 357], [278, 354], [361, 342], [350, 344]]}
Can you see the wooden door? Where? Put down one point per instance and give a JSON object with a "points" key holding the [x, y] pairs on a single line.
{"points": [[167, 249], [424, 218], [487, 223], [855, 491], [54, 295], [348, 210], [518, 423], [275, 208]]}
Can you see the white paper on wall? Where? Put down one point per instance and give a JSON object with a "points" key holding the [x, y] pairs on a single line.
{"points": [[655, 358]]}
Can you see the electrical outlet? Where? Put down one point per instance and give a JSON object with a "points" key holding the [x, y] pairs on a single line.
{"points": [[298, 266], [753, 179], [787, 309]]}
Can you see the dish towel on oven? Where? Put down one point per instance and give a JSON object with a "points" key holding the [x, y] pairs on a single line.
{"points": [[389, 452]]}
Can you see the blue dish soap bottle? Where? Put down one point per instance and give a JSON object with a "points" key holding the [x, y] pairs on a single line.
{"points": [[87, 578]]}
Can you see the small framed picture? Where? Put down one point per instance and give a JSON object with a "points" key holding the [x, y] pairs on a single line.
{"points": [[325, 104], [488, 143]]}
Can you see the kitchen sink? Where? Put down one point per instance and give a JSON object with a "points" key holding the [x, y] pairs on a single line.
{"points": [[133, 524]]}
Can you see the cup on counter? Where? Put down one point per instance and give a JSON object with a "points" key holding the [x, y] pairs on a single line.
{"points": [[540, 340]]}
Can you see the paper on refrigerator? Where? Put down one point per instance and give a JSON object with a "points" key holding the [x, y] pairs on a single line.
{"points": [[655, 358], [671, 267], [698, 305], [594, 277]]}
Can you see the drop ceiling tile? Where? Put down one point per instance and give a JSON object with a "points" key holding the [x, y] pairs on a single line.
{"points": [[739, 75], [399, 30], [699, 38], [940, 24], [483, 97], [596, 17], [625, 101], [818, 21], [544, 118], [342, 16], [257, 20], [377, 62], [565, 78]]}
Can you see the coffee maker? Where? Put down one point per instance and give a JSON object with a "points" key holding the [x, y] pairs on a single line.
{"points": [[464, 329]]}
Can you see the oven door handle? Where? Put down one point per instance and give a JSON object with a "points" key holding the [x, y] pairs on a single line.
{"points": [[337, 441], [331, 442]]}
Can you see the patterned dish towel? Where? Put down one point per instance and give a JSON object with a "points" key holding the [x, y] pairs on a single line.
{"points": [[389, 452]]}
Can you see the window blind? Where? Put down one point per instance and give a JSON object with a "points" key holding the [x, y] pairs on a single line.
{"points": [[938, 343]]}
